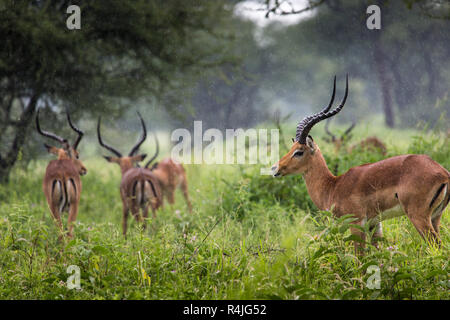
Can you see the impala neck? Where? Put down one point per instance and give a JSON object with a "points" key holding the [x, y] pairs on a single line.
{"points": [[320, 182], [125, 166]]}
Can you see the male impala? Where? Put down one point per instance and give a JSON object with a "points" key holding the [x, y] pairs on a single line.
{"points": [[372, 143], [170, 174], [414, 185], [62, 183], [139, 188]]}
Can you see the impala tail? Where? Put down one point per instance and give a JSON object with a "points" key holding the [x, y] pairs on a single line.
{"points": [[63, 194]]}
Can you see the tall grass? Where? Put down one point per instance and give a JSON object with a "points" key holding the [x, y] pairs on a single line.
{"points": [[248, 237]]}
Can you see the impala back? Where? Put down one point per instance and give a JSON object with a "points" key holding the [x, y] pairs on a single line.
{"points": [[388, 185], [139, 186], [62, 184]]}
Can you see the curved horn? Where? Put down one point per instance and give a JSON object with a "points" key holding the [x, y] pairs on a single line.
{"points": [[48, 134], [74, 128], [307, 119], [104, 145], [349, 128], [141, 139], [306, 124], [156, 153], [332, 96]]}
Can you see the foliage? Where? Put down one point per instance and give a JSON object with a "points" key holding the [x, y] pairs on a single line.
{"points": [[249, 236], [436, 146], [124, 52]]}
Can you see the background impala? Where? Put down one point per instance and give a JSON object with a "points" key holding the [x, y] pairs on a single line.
{"points": [[139, 188], [369, 143], [62, 183], [171, 175]]}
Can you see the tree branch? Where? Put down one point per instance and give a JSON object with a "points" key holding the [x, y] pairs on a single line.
{"points": [[276, 8]]}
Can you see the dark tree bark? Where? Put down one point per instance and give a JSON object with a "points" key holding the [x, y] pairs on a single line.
{"points": [[22, 125]]}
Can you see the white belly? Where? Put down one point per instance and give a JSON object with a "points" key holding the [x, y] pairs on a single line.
{"points": [[393, 212], [387, 214]]}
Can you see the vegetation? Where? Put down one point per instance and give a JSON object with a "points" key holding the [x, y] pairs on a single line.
{"points": [[178, 61], [249, 237], [123, 52]]}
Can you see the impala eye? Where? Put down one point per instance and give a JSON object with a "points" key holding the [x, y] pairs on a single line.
{"points": [[298, 153]]}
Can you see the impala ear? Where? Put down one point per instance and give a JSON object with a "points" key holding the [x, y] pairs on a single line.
{"points": [[138, 158], [111, 159], [51, 149], [310, 143]]}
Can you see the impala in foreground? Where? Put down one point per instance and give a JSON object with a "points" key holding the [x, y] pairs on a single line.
{"points": [[411, 185]]}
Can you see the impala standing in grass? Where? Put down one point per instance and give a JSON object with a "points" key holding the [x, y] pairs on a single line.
{"points": [[171, 175], [62, 183], [370, 143], [139, 188], [411, 185]]}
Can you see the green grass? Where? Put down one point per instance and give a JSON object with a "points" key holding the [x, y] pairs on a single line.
{"points": [[248, 237]]}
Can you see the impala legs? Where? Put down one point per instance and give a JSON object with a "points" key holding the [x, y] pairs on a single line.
{"points": [[54, 204], [170, 193], [184, 188], [145, 212], [73, 201], [152, 203], [171, 196], [426, 216], [135, 211], [133, 206], [145, 216], [73, 211], [126, 211], [359, 245], [377, 235], [425, 228], [57, 218], [436, 221], [420, 216]]}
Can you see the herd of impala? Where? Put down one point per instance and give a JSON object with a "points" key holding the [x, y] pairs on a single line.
{"points": [[370, 143], [411, 185], [141, 189]]}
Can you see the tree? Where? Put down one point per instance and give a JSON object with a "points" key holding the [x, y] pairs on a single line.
{"points": [[124, 50], [407, 58]]}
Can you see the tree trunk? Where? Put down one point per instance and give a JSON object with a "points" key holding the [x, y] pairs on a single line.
{"points": [[7, 162], [384, 81]]}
